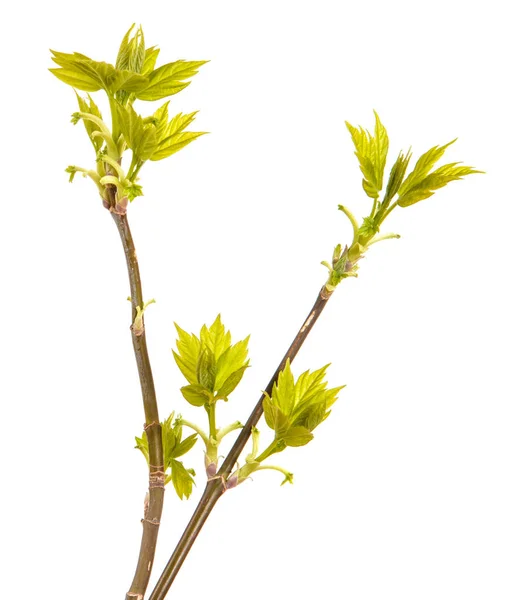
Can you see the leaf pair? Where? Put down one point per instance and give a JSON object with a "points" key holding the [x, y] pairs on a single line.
{"points": [[83, 73], [212, 366], [173, 447], [296, 408], [134, 72]]}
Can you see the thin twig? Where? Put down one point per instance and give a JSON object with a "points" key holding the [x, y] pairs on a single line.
{"points": [[217, 485], [155, 498]]}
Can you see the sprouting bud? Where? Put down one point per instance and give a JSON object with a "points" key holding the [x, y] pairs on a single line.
{"points": [[138, 323], [232, 482]]}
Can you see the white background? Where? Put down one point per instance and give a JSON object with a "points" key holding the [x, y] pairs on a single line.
{"points": [[410, 490]]}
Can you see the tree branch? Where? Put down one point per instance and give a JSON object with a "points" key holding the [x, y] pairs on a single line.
{"points": [[155, 496], [217, 486]]}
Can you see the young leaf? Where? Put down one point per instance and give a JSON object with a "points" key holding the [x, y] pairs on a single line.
{"points": [[176, 143], [396, 176], [142, 445], [184, 446], [150, 58], [188, 347], [131, 52], [230, 384], [303, 404], [297, 436], [434, 181], [173, 137], [232, 360], [169, 79], [206, 369], [215, 338], [371, 151], [91, 127], [423, 165], [182, 479], [140, 137], [195, 394], [77, 78]]}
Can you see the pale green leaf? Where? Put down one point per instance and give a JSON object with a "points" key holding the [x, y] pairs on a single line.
{"points": [[283, 393], [150, 58], [169, 79], [233, 359], [195, 394], [182, 479], [206, 369], [297, 436], [175, 143], [423, 166], [183, 447], [77, 79], [434, 181], [215, 338], [92, 109], [230, 383], [188, 346], [371, 151], [140, 137], [396, 176], [142, 445]]}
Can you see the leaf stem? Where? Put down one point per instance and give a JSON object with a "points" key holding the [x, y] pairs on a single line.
{"points": [[198, 430], [216, 486], [352, 220], [153, 511]]}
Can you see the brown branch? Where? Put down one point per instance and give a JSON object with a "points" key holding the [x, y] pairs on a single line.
{"points": [[155, 497], [216, 486]]}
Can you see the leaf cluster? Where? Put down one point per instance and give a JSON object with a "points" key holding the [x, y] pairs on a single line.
{"points": [[210, 363], [174, 447], [296, 408], [371, 150], [133, 77]]}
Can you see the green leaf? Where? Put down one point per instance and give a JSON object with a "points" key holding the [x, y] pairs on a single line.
{"points": [[131, 52], [423, 166], [140, 137], [133, 192], [232, 360], [142, 445], [184, 446], [173, 137], [283, 393], [422, 184], [188, 346], [231, 383], [92, 109], [77, 78], [303, 404], [206, 369], [371, 151], [182, 479], [297, 436], [160, 120], [215, 338], [195, 394], [169, 79], [274, 418], [176, 143], [396, 176], [150, 58], [124, 51]]}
